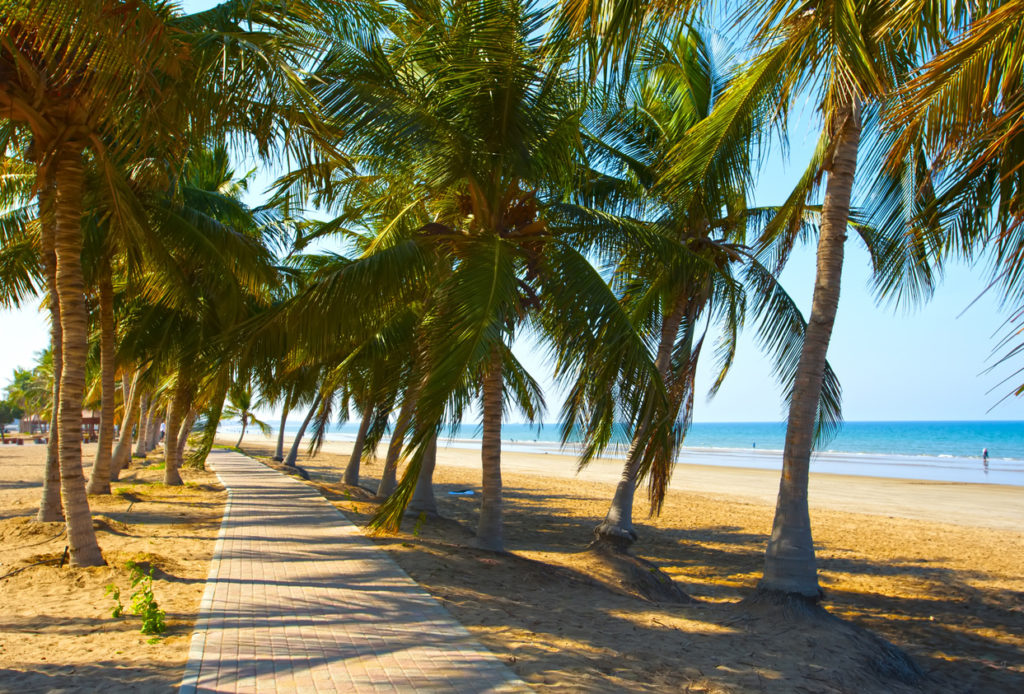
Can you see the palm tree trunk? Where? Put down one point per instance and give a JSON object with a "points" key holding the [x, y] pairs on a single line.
{"points": [[293, 453], [175, 414], [389, 475], [617, 528], [123, 450], [85, 551], [790, 567], [279, 453], [155, 421], [50, 508], [186, 429], [490, 531], [423, 500], [245, 423], [351, 476], [99, 481], [145, 418]]}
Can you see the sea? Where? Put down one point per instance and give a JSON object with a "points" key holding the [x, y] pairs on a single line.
{"points": [[944, 451]]}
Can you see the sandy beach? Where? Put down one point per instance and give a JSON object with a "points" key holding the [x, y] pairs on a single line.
{"points": [[56, 628], [935, 568], [976, 505]]}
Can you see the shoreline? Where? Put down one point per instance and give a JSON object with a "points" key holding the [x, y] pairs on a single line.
{"points": [[968, 504], [914, 466]]}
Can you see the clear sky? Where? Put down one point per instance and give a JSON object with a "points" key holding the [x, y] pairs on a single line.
{"points": [[926, 363]]}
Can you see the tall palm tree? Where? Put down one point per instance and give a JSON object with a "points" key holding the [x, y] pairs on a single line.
{"points": [[848, 59], [122, 453], [469, 131], [65, 79], [705, 275], [101, 275]]}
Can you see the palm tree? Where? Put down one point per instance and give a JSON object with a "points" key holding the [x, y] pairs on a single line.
{"points": [[464, 132], [122, 453], [241, 404], [65, 79], [849, 58], [705, 275], [99, 481]]}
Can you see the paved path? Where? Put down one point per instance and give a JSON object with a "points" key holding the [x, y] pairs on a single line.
{"points": [[299, 601]]}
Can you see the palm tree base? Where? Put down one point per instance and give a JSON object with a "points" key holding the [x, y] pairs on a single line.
{"points": [[289, 469], [413, 510], [613, 564], [87, 558], [790, 602], [98, 489], [615, 536], [489, 544], [50, 516], [886, 663]]}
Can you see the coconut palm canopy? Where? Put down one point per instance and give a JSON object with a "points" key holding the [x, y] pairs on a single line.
{"points": [[576, 172]]}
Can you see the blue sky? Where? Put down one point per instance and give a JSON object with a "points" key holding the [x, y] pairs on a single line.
{"points": [[924, 363]]}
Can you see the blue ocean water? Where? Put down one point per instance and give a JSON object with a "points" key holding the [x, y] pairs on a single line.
{"points": [[942, 451], [1003, 439]]}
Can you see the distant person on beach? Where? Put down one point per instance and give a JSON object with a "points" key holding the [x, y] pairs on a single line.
{"points": [[984, 458]]}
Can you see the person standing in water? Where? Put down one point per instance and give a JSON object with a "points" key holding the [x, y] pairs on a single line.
{"points": [[984, 458]]}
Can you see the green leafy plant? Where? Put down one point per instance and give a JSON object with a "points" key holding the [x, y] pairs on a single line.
{"points": [[144, 602], [115, 593]]}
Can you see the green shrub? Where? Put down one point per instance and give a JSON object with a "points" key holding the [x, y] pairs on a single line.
{"points": [[143, 602]]}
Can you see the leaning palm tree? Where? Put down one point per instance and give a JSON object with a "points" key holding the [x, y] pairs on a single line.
{"points": [[469, 130], [705, 275], [65, 80]]}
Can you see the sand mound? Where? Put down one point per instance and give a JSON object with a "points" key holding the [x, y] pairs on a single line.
{"points": [[109, 525], [630, 575], [28, 530]]}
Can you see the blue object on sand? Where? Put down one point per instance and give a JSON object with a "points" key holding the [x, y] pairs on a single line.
{"points": [[462, 492]]}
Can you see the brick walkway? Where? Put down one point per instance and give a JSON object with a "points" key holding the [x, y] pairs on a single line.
{"points": [[299, 601]]}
